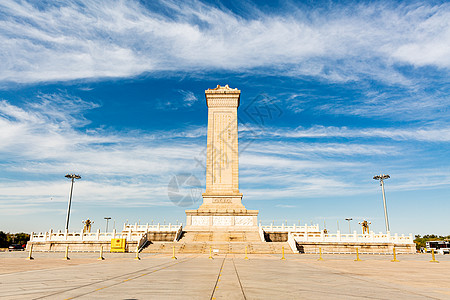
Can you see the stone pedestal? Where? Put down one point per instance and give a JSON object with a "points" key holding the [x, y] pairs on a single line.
{"points": [[223, 220], [222, 207]]}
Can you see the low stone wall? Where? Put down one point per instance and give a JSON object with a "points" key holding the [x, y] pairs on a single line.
{"points": [[83, 246], [313, 247], [162, 236], [275, 236]]}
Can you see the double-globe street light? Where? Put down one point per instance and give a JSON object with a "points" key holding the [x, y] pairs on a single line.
{"points": [[72, 177], [349, 228], [381, 178], [107, 220]]}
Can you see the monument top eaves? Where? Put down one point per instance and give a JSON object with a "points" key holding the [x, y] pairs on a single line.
{"points": [[223, 90]]}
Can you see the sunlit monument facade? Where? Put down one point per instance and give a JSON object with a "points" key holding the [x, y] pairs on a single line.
{"points": [[222, 223], [222, 206]]}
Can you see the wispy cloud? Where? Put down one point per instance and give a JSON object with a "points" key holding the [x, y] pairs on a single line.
{"points": [[46, 138], [92, 39], [285, 205], [417, 103], [430, 133], [188, 97]]}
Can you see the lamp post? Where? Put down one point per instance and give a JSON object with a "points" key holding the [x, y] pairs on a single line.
{"points": [[381, 178], [72, 177], [107, 220], [349, 229]]}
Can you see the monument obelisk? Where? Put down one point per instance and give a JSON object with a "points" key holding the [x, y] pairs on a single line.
{"points": [[222, 202]]}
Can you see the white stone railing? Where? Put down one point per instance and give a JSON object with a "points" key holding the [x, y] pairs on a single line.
{"points": [[351, 238], [152, 227], [142, 243], [178, 233], [261, 234], [81, 236], [293, 228], [130, 232], [292, 243]]}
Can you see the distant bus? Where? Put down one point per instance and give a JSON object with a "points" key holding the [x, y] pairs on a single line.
{"points": [[442, 247]]}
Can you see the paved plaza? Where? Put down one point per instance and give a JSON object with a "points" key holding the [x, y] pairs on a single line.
{"points": [[227, 276]]}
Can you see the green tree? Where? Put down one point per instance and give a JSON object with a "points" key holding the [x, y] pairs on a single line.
{"points": [[421, 241], [3, 240], [6, 239], [21, 238]]}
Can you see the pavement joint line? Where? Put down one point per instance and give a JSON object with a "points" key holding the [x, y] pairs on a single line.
{"points": [[349, 275], [139, 276], [239, 279], [334, 267], [89, 284], [218, 276]]}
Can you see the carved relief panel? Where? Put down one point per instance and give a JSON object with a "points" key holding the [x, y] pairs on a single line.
{"points": [[200, 220], [222, 220], [243, 221]]}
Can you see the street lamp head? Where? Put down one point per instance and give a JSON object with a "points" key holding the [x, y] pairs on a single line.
{"points": [[381, 177], [74, 176], [348, 219]]}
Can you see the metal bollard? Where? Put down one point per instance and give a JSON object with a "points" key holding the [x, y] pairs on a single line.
{"points": [[66, 256], [210, 253], [320, 254], [246, 257], [432, 256], [101, 254], [137, 254], [30, 253], [282, 250], [395, 257], [173, 253], [357, 255]]}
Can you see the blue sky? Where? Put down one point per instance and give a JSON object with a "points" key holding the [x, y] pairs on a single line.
{"points": [[114, 91]]}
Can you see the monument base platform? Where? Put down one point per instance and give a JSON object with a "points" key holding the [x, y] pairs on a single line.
{"points": [[221, 236], [216, 219], [218, 247]]}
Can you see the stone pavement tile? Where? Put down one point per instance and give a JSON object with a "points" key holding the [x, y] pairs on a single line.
{"points": [[228, 284], [295, 280], [87, 276], [192, 279], [262, 277]]}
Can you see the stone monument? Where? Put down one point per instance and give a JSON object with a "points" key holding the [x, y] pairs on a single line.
{"points": [[222, 206]]}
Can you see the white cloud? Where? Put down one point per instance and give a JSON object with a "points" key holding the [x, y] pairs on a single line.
{"points": [[285, 205], [311, 150], [189, 97], [430, 45], [91, 39], [42, 141], [429, 133]]}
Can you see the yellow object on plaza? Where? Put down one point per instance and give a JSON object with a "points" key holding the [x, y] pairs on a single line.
{"points": [[118, 245], [282, 250], [357, 255], [320, 254]]}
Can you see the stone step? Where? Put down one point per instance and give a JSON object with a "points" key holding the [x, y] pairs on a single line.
{"points": [[221, 247], [220, 236]]}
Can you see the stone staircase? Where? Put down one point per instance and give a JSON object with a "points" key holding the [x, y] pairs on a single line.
{"points": [[220, 236], [222, 247], [222, 241]]}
